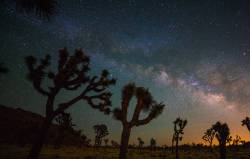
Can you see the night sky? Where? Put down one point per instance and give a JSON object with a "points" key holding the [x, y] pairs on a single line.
{"points": [[192, 55]]}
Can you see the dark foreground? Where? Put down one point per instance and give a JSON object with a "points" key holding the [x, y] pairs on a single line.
{"points": [[15, 152]]}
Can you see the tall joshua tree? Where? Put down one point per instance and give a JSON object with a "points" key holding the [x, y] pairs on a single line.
{"points": [[145, 102], [179, 125], [72, 74], [209, 137], [222, 134], [101, 131], [246, 122], [152, 143]]}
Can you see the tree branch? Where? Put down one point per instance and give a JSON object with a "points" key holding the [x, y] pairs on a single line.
{"points": [[63, 106]]}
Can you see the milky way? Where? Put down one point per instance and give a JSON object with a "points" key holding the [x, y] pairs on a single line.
{"points": [[193, 56]]}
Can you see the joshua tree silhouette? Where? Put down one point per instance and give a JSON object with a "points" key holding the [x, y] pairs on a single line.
{"points": [[209, 137], [71, 75], [236, 142], [246, 122], [64, 121], [140, 143], [179, 125], [101, 131], [145, 103], [152, 144], [229, 140], [237, 139], [222, 134]]}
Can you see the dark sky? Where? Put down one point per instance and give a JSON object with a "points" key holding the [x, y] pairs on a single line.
{"points": [[192, 55]]}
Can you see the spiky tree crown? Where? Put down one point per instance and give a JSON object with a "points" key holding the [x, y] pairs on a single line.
{"points": [[101, 130], [222, 132], [72, 73], [179, 125], [144, 103]]}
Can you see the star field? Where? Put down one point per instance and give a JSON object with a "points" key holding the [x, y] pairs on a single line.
{"points": [[192, 55]]}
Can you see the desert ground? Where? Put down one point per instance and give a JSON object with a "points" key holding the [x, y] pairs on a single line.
{"points": [[48, 152]]}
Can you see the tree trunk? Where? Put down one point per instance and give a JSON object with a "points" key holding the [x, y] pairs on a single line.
{"points": [[177, 148], [124, 142], [211, 148], [172, 148], [37, 146], [223, 151]]}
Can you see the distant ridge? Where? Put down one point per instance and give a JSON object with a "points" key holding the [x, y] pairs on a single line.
{"points": [[18, 126]]}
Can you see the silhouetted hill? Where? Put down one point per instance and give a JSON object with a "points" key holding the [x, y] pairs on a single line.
{"points": [[18, 126]]}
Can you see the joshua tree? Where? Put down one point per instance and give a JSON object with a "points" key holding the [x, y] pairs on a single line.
{"points": [[209, 137], [101, 131], [140, 143], [229, 140], [222, 134], [145, 103], [71, 75], [236, 142], [64, 121], [152, 143], [179, 125], [246, 122], [106, 142]]}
